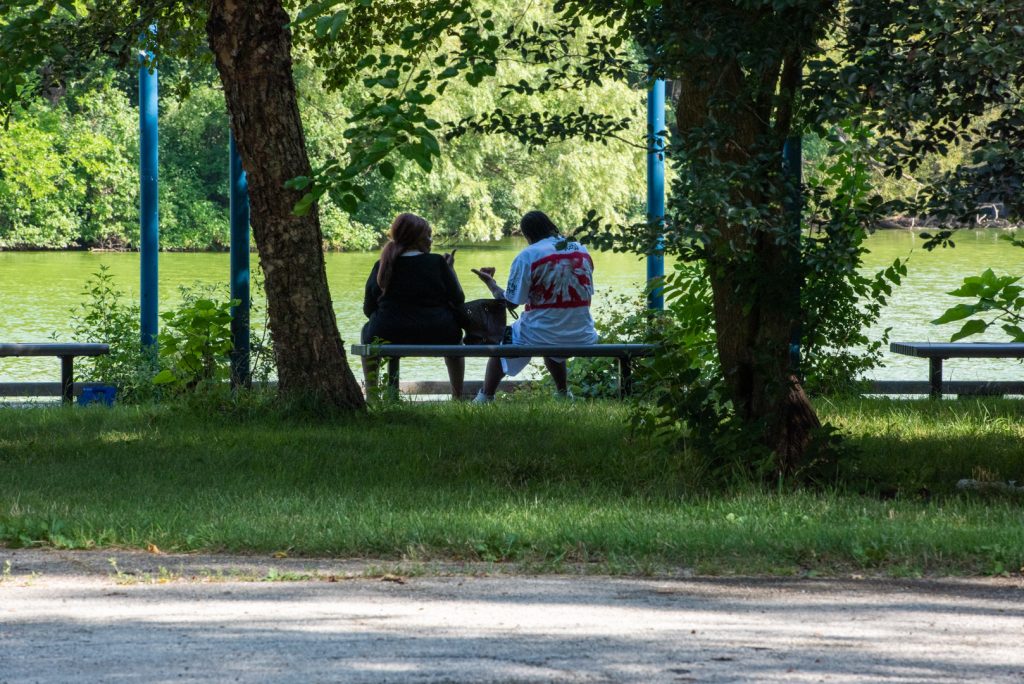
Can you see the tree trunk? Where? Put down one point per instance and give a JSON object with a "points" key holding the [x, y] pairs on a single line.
{"points": [[252, 49], [755, 276]]}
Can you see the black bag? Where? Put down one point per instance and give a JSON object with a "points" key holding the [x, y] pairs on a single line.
{"points": [[483, 321]]}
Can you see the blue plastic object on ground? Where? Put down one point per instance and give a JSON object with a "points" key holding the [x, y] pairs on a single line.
{"points": [[101, 393]]}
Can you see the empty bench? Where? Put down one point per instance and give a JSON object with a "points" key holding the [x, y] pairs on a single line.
{"points": [[625, 353], [937, 352], [65, 352]]}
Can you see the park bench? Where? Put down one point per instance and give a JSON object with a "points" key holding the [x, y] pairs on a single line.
{"points": [[65, 352], [625, 353], [937, 352]]}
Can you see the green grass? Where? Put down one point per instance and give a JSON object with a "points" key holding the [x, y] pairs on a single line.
{"points": [[909, 445], [537, 483]]}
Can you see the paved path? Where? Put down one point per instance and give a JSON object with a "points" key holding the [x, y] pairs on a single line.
{"points": [[74, 616]]}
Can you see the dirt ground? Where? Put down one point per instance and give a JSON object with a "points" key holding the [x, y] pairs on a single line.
{"points": [[116, 616]]}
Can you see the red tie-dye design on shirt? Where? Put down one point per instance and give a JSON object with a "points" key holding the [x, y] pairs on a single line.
{"points": [[561, 281]]}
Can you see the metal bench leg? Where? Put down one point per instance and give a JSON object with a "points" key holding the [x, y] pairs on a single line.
{"points": [[67, 379], [935, 377], [393, 362], [625, 377]]}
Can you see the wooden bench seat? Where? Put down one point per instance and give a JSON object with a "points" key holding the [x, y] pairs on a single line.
{"points": [[937, 352], [625, 353], [66, 352]]}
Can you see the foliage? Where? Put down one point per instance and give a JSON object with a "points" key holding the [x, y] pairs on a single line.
{"points": [[30, 188], [621, 320], [839, 302], [897, 81], [193, 345], [195, 342], [688, 404], [69, 172], [419, 63], [105, 317], [68, 179], [480, 185], [997, 300], [261, 347], [468, 195], [194, 186], [935, 80]]}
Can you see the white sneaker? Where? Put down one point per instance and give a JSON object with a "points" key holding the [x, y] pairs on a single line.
{"points": [[567, 396], [482, 398]]}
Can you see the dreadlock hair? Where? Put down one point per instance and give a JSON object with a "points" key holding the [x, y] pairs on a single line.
{"points": [[408, 231]]}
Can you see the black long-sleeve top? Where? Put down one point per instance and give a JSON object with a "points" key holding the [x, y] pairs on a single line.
{"points": [[419, 305]]}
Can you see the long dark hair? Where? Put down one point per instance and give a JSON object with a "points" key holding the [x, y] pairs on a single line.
{"points": [[536, 226], [408, 231]]}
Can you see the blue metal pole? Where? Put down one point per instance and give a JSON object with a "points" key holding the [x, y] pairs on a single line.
{"points": [[656, 185], [149, 216], [239, 267], [792, 167]]}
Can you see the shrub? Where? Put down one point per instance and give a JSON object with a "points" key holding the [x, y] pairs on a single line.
{"points": [[105, 317]]}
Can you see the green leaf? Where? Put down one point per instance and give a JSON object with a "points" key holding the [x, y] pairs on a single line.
{"points": [[298, 183], [386, 169], [164, 377], [303, 206], [314, 10], [957, 313], [419, 155], [1015, 332], [430, 144], [972, 327], [339, 20], [971, 287], [349, 203], [322, 24]]}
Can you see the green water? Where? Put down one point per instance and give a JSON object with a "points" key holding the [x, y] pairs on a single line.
{"points": [[923, 297], [37, 289]]}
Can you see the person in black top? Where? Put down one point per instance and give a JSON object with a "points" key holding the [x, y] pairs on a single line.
{"points": [[412, 296]]}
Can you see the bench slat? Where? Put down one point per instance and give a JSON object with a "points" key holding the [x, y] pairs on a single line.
{"points": [[503, 351], [8, 349], [937, 352], [959, 350], [395, 352], [65, 351]]}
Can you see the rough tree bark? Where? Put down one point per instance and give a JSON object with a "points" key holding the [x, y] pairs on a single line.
{"points": [[252, 49], [755, 276]]}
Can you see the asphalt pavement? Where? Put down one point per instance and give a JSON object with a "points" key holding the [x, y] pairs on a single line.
{"points": [[136, 617]]}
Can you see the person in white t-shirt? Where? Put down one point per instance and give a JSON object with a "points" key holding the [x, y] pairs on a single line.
{"points": [[554, 277]]}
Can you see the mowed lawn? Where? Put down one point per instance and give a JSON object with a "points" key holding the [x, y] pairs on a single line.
{"points": [[532, 482]]}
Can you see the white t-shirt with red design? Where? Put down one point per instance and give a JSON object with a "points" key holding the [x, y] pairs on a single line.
{"points": [[554, 278]]}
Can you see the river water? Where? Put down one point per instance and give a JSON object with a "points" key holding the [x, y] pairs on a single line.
{"points": [[37, 290]]}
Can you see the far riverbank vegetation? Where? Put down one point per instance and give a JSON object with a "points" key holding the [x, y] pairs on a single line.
{"points": [[69, 166]]}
